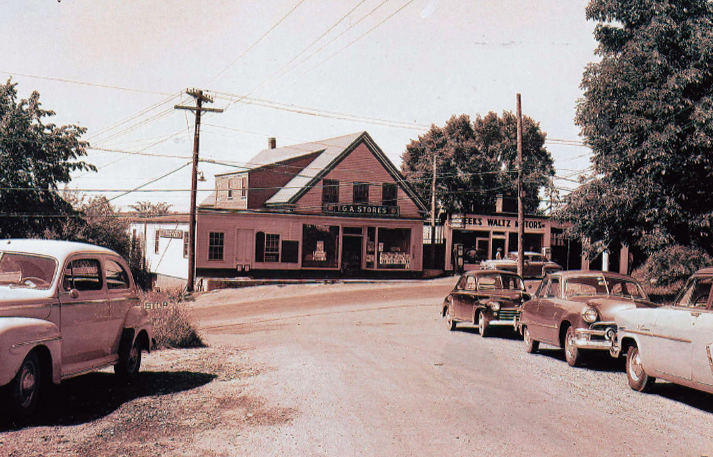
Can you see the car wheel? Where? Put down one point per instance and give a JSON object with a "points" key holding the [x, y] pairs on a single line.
{"points": [[450, 323], [25, 387], [571, 352], [129, 361], [635, 374], [483, 327], [531, 346]]}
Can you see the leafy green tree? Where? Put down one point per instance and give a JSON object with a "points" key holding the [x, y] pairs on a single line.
{"points": [[647, 114], [34, 158], [150, 209], [476, 161]]}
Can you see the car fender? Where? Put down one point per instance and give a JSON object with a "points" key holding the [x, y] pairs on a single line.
{"points": [[19, 336], [138, 320]]}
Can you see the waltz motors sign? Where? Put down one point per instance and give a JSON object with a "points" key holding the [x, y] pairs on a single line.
{"points": [[472, 222], [362, 210]]}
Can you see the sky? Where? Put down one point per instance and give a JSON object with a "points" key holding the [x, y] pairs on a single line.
{"points": [[296, 70]]}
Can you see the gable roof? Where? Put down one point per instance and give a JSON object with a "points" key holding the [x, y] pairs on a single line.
{"points": [[332, 151]]}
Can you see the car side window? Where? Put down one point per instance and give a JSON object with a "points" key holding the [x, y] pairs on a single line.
{"points": [[470, 283], [553, 289], [116, 277], [696, 293], [542, 288], [83, 274]]}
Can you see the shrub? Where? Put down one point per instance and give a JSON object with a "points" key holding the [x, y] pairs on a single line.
{"points": [[671, 266], [172, 324]]}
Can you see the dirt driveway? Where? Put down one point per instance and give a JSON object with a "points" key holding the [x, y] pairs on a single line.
{"points": [[342, 370]]}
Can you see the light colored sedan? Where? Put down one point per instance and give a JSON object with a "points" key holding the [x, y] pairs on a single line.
{"points": [[673, 343]]}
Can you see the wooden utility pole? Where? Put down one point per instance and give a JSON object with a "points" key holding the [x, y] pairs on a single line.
{"points": [[198, 109], [433, 211], [520, 205]]}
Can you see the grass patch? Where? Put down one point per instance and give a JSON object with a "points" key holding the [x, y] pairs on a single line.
{"points": [[172, 324]]}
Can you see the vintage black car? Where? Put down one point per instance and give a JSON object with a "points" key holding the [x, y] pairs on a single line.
{"points": [[485, 298]]}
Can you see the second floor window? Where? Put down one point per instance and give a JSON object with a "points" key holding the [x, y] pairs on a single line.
{"points": [[330, 191], [388, 194], [361, 192]]}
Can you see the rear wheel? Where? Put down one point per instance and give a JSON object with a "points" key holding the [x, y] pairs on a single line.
{"points": [[635, 374], [450, 323], [483, 326], [571, 352], [24, 390], [531, 346]]}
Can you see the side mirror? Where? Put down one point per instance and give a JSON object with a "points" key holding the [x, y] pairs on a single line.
{"points": [[73, 293]]}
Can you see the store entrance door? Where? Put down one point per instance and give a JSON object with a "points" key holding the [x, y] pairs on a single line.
{"points": [[351, 255]]}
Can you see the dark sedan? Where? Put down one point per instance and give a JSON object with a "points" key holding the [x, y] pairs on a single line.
{"points": [[575, 310], [486, 299]]}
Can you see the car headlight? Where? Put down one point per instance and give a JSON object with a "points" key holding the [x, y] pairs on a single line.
{"points": [[590, 315], [495, 306]]}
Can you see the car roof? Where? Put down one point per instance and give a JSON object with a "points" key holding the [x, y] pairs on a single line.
{"points": [[55, 248], [484, 272], [589, 273]]}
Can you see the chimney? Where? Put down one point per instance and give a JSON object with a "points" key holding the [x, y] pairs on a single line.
{"points": [[272, 142], [499, 203]]}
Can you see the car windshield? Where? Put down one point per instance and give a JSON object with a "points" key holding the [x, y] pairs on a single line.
{"points": [[602, 285], [26, 270], [511, 256], [499, 281], [695, 293]]}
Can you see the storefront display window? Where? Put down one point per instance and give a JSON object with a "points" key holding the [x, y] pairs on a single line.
{"points": [[394, 248], [320, 246], [370, 247]]}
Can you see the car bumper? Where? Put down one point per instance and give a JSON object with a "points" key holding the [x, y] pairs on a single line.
{"points": [[600, 337]]}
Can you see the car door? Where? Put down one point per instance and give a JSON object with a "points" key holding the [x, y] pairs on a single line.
{"points": [[531, 311], [120, 297], [465, 298], [702, 335], [549, 311], [84, 317]]}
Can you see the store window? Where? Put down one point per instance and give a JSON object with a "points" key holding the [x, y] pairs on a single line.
{"points": [[370, 247], [388, 194], [394, 248], [272, 247], [320, 246], [330, 191], [216, 244], [361, 192]]}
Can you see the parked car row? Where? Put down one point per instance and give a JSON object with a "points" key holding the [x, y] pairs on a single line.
{"points": [[586, 311], [65, 309]]}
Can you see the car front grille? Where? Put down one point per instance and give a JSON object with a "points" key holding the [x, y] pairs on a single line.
{"points": [[508, 314]]}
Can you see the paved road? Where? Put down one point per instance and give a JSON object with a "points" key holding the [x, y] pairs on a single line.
{"points": [[371, 370]]}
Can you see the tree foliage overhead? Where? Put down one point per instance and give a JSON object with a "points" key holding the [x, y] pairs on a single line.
{"points": [[476, 161], [647, 114], [34, 158], [150, 209]]}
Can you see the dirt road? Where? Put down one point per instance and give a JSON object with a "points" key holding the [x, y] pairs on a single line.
{"points": [[368, 370]]}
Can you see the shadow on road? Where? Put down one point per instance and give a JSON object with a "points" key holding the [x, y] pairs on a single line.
{"points": [[95, 395], [506, 333], [691, 397], [595, 360]]}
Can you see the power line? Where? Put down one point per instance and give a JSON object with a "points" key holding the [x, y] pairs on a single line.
{"points": [[83, 83]]}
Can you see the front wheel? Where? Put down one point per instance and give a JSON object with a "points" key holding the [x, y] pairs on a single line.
{"points": [[531, 346], [450, 323], [25, 387], [129, 361], [571, 352], [635, 374], [483, 326]]}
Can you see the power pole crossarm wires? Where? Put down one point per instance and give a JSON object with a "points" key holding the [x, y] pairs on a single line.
{"points": [[520, 205], [198, 109]]}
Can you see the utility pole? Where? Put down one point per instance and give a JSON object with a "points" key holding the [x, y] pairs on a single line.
{"points": [[520, 205], [433, 212], [198, 109]]}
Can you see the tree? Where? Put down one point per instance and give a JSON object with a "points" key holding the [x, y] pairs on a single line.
{"points": [[34, 158], [647, 113], [477, 161], [149, 209]]}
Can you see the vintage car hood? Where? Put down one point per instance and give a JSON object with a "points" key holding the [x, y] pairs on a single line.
{"points": [[609, 306]]}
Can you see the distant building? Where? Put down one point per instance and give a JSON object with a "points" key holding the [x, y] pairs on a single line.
{"points": [[332, 208]]}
